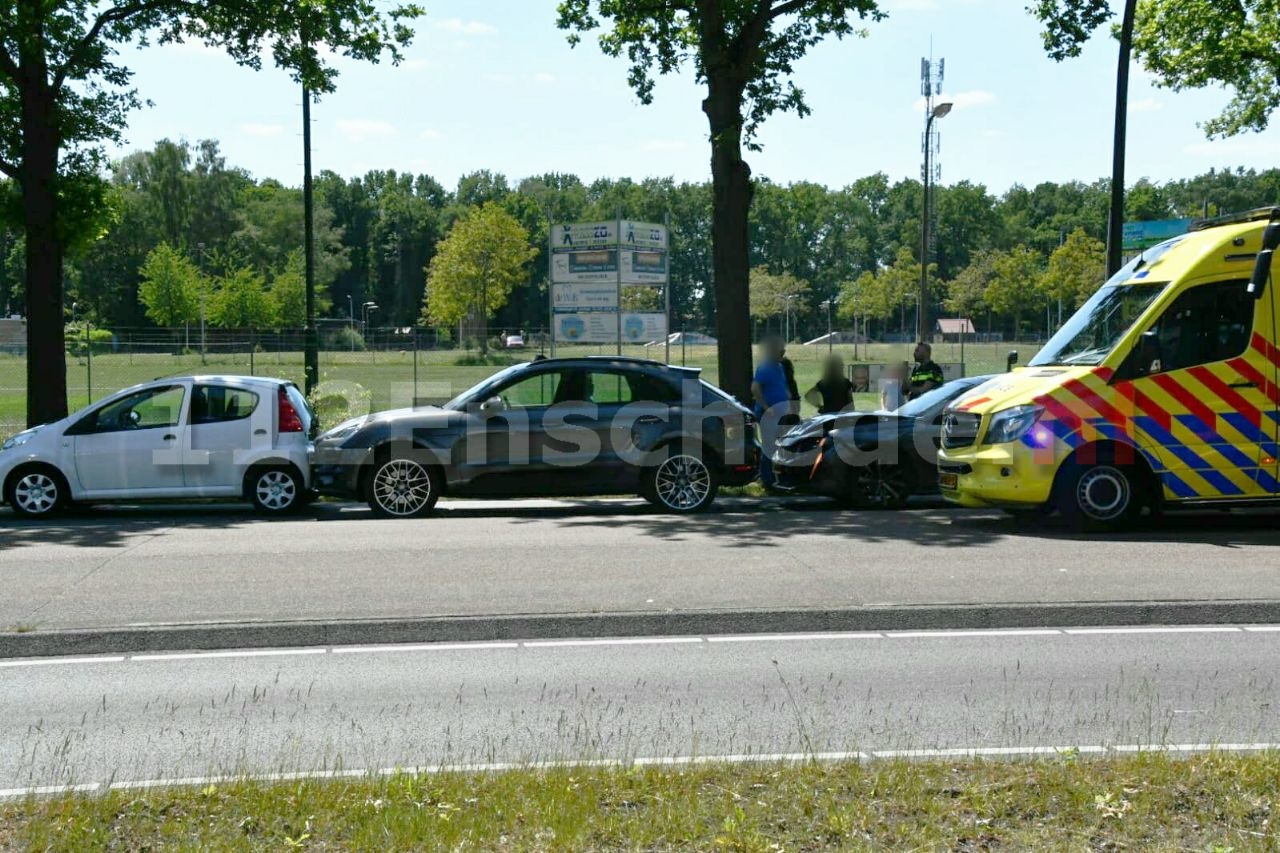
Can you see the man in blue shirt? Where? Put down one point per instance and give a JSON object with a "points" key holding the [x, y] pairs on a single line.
{"points": [[772, 402]]}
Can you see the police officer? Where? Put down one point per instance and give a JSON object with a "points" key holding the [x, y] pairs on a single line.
{"points": [[926, 375]]}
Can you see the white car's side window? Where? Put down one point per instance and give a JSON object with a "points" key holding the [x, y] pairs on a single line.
{"points": [[149, 409]]}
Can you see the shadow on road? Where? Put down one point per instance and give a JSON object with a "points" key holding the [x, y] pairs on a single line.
{"points": [[734, 522]]}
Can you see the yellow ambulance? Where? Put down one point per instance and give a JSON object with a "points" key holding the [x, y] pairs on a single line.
{"points": [[1160, 390]]}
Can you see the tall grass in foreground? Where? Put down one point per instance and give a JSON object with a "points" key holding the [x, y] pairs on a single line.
{"points": [[1209, 802]]}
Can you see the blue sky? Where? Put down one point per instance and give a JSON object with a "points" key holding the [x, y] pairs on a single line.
{"points": [[494, 85]]}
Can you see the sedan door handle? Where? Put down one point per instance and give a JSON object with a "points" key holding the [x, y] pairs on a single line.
{"points": [[649, 419]]}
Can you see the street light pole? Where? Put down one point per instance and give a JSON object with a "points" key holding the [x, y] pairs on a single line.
{"points": [[830, 343], [922, 312], [1115, 220]]}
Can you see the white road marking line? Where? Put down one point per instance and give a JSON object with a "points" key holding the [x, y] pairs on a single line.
{"points": [[772, 638], [994, 632], [979, 751], [40, 790], [658, 761], [1261, 629], [421, 647], [58, 661], [1178, 629], [250, 653], [629, 641]]}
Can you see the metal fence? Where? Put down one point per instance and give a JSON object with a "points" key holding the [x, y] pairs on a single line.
{"points": [[392, 367]]}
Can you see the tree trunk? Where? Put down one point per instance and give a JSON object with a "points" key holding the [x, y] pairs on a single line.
{"points": [[731, 199], [46, 352]]}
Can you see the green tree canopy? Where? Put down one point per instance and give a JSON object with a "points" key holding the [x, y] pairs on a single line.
{"points": [[772, 295], [1013, 287], [745, 52], [64, 93], [476, 267], [1075, 270], [289, 294], [170, 287], [241, 301]]}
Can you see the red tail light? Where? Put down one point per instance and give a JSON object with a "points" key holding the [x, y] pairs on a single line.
{"points": [[288, 415]]}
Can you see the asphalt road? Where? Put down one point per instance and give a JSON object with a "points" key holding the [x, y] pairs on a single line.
{"points": [[156, 566], [147, 717]]}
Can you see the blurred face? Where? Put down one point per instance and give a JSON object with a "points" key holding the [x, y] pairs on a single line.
{"points": [[770, 350], [922, 352]]}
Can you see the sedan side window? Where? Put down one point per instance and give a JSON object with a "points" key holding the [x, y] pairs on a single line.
{"points": [[149, 409], [532, 391], [211, 404]]}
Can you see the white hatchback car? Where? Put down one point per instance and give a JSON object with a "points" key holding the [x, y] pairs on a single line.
{"points": [[240, 437]]}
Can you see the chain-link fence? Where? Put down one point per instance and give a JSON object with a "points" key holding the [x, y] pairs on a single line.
{"points": [[393, 367]]}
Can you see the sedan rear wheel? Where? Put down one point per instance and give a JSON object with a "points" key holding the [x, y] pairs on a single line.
{"points": [[37, 492], [877, 486], [681, 483], [402, 488]]}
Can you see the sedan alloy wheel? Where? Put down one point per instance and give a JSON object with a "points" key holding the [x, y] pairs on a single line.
{"points": [[877, 486], [683, 483], [402, 488]]}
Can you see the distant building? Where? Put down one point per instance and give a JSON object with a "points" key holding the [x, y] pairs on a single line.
{"points": [[951, 330]]}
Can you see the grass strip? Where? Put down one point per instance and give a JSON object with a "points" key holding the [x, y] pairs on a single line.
{"points": [[1149, 801]]}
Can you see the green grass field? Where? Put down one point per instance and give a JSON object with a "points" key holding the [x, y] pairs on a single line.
{"points": [[388, 377], [1211, 803]]}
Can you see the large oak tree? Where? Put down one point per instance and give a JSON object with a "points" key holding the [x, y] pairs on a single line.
{"points": [[64, 93], [744, 52]]}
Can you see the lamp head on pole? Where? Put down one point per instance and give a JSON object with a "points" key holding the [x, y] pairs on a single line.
{"points": [[942, 109]]}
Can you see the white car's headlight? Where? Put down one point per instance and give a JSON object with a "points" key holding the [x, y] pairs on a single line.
{"points": [[18, 440], [1011, 424]]}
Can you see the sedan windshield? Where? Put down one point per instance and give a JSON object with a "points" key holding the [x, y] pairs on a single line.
{"points": [[1094, 330], [479, 392]]}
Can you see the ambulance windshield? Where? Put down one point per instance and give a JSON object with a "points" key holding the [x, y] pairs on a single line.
{"points": [[1093, 331]]}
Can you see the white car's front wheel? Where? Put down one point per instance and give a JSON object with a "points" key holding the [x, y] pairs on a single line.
{"points": [[36, 491]]}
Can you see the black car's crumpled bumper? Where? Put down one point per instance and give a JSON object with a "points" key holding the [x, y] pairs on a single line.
{"points": [[809, 469]]}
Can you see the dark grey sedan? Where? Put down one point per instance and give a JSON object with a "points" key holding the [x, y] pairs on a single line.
{"points": [[551, 427]]}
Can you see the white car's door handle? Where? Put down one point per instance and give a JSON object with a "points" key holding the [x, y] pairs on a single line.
{"points": [[170, 437]]}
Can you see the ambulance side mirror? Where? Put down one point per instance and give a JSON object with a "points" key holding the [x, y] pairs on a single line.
{"points": [[1011, 360], [1262, 265]]}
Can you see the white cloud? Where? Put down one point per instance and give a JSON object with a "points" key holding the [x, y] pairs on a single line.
{"points": [[960, 100], [1234, 148], [364, 129], [665, 145], [466, 28], [993, 133], [417, 64], [431, 135], [1146, 105], [544, 77], [262, 131]]}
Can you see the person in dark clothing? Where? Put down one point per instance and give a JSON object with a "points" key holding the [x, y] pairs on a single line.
{"points": [[833, 392], [792, 417], [926, 375]]}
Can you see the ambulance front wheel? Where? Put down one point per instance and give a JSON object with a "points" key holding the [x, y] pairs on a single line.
{"points": [[1102, 495]]}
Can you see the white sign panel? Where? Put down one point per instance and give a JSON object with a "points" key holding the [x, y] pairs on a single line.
{"points": [[643, 235], [601, 327], [590, 296], [584, 235]]}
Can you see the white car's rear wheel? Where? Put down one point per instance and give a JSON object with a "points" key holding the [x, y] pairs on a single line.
{"points": [[275, 491], [36, 491]]}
